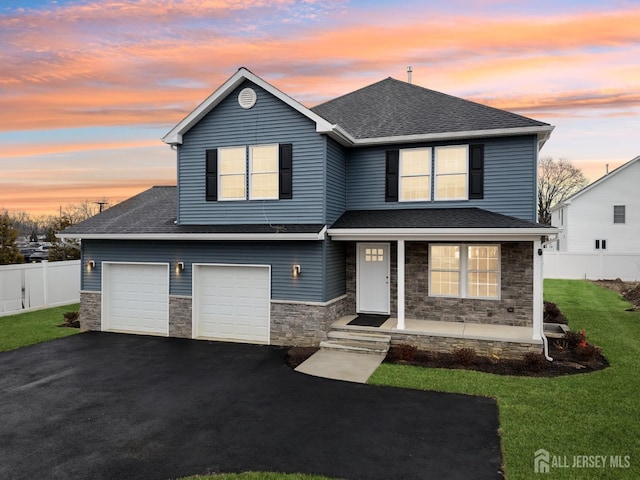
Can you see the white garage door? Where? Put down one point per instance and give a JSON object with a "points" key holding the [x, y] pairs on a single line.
{"points": [[135, 298], [232, 302]]}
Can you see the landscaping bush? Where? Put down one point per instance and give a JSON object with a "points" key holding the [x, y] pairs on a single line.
{"points": [[71, 319], [587, 352], [404, 352], [552, 314], [535, 361], [573, 339], [464, 356]]}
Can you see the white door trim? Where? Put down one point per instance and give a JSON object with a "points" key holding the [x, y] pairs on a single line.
{"points": [[360, 308]]}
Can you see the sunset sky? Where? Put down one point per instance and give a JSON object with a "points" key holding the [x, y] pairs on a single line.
{"points": [[87, 88]]}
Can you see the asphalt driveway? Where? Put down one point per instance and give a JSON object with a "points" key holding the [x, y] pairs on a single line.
{"points": [[110, 406]]}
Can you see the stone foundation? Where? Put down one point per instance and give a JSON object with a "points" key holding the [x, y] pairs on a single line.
{"points": [[90, 311], [483, 348], [180, 323], [302, 324]]}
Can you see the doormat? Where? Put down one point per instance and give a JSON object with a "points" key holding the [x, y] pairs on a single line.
{"points": [[368, 320]]}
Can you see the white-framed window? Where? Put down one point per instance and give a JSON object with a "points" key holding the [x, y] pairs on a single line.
{"points": [[451, 164], [464, 271], [619, 214], [600, 244], [415, 174], [263, 172], [232, 168]]}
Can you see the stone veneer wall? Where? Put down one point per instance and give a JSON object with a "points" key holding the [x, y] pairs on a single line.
{"points": [[90, 310], [483, 348], [516, 288], [304, 325], [296, 324], [180, 322]]}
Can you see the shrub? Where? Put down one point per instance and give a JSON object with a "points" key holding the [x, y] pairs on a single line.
{"points": [[587, 352], [404, 352], [573, 339], [464, 356], [71, 319], [552, 314], [535, 361]]}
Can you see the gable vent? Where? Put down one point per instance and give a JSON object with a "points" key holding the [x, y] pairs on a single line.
{"points": [[247, 98]]}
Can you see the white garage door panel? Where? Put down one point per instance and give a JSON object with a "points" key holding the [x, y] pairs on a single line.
{"points": [[233, 303], [137, 297]]}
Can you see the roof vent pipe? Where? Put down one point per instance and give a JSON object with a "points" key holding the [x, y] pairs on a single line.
{"points": [[607, 170], [409, 74]]}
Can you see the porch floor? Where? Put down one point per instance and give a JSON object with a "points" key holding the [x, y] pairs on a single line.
{"points": [[475, 331]]}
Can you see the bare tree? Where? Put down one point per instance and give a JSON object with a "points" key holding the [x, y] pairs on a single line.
{"points": [[557, 181]]}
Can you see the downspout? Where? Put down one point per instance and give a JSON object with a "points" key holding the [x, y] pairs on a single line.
{"points": [[545, 344]]}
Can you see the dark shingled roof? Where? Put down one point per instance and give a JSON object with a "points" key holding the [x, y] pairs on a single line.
{"points": [[392, 108], [154, 212], [430, 218]]}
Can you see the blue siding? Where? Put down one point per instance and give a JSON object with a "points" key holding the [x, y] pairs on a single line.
{"points": [[269, 121], [335, 262], [336, 181], [509, 178], [280, 255]]}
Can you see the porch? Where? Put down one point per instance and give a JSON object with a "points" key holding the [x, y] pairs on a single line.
{"points": [[490, 340]]}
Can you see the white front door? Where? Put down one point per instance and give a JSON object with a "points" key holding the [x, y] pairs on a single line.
{"points": [[373, 277]]}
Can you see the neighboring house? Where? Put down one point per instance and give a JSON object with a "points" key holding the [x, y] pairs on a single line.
{"points": [[603, 217], [393, 199]]}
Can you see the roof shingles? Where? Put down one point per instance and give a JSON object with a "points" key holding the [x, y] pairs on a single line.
{"points": [[391, 108]]}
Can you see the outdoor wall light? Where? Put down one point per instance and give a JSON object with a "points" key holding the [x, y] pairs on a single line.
{"points": [[91, 265], [295, 271], [179, 267]]}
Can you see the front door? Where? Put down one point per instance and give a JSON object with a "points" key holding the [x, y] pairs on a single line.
{"points": [[373, 277]]}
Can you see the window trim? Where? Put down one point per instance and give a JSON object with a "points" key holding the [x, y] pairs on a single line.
{"points": [[436, 176], [250, 172], [464, 270], [429, 175], [220, 174]]}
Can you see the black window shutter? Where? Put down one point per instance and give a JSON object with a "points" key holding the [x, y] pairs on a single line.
{"points": [[391, 183], [286, 171], [476, 171], [212, 175]]}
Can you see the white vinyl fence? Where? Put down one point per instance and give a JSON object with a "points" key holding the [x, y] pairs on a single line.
{"points": [[32, 286], [592, 266]]}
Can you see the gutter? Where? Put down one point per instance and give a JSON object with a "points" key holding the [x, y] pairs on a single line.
{"points": [[199, 236]]}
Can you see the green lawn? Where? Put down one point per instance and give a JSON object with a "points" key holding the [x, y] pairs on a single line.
{"points": [[587, 414], [34, 327]]}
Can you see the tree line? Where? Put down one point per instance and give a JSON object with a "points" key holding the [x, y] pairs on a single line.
{"points": [[21, 227]]}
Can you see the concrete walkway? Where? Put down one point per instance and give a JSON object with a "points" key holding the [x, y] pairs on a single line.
{"points": [[341, 365]]}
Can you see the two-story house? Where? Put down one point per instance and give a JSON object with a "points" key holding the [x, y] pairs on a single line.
{"points": [[393, 200], [603, 217]]}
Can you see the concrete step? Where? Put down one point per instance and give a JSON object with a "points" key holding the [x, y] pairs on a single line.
{"points": [[355, 346], [358, 336]]}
